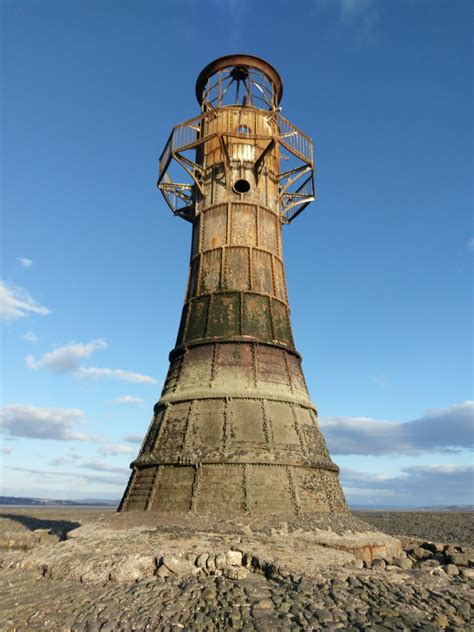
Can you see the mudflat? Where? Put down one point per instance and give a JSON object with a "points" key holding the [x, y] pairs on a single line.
{"points": [[57, 576], [439, 526]]}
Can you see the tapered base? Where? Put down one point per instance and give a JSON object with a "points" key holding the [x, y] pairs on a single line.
{"points": [[236, 433], [234, 489]]}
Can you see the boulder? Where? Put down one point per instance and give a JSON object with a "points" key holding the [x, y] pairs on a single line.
{"points": [[233, 558], [133, 567], [177, 565]]}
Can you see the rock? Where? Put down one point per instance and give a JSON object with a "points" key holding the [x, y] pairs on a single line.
{"points": [[452, 570], [220, 561], [263, 604], [323, 615], [378, 565], [353, 581], [208, 593], [434, 547], [201, 560], [420, 553], [457, 558], [177, 565], [92, 574], [428, 565], [402, 562], [388, 612], [468, 573], [133, 567], [236, 572], [442, 621], [163, 571], [234, 558], [211, 563]]}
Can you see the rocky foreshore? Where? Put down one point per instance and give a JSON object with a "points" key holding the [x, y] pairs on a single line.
{"points": [[65, 579]]}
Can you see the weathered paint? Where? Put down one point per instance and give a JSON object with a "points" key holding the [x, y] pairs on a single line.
{"points": [[234, 430]]}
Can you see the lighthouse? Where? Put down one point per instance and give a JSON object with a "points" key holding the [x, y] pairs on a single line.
{"points": [[235, 431]]}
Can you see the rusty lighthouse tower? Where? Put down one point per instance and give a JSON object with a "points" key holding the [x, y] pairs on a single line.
{"points": [[235, 431]]}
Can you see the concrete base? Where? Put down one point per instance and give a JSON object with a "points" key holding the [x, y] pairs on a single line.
{"points": [[127, 547]]}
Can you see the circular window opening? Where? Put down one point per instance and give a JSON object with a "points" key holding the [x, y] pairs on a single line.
{"points": [[241, 186]]}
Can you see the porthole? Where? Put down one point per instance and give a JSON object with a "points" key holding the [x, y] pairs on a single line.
{"points": [[241, 186]]}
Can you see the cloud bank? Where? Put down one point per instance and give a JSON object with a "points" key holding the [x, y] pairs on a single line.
{"points": [[21, 420], [114, 450], [418, 485], [76, 478], [443, 430], [134, 438]]}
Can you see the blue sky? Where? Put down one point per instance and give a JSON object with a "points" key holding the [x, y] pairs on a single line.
{"points": [[379, 269]]}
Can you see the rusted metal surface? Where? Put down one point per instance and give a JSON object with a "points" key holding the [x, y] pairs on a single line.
{"points": [[234, 64], [234, 420], [232, 136]]}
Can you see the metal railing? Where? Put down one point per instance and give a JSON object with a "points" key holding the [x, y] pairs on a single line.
{"points": [[189, 135], [294, 140]]}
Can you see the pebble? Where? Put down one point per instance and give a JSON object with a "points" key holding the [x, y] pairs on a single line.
{"points": [[451, 570], [457, 558], [387, 595], [379, 565]]}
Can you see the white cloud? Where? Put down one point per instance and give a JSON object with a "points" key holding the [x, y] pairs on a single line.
{"points": [[76, 478], [420, 485], [15, 302], [129, 399], [30, 336], [116, 374], [113, 450], [21, 420], [66, 359], [134, 438], [64, 460], [103, 466], [26, 263], [7, 449], [443, 430]]}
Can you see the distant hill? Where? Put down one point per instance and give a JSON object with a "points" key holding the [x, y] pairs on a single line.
{"points": [[447, 508], [89, 502], [51, 502]]}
